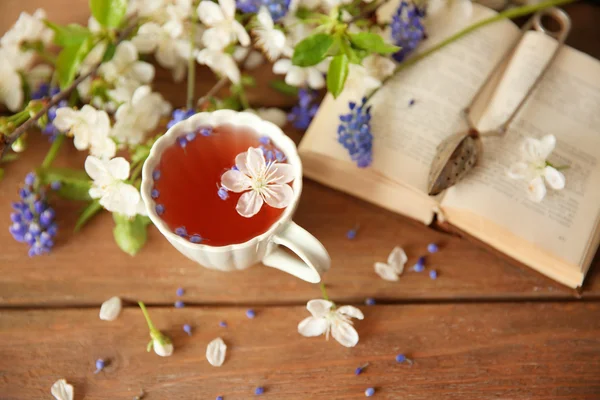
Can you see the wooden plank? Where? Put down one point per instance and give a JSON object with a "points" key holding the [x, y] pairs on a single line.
{"points": [[470, 351], [87, 268]]}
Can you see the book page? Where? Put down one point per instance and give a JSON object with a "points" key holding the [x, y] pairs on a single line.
{"points": [[567, 105], [405, 136]]}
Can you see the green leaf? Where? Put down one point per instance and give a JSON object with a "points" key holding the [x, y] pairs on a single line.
{"points": [[372, 42], [312, 50], [130, 233], [109, 53], [355, 56], [75, 184], [284, 88], [69, 59], [1, 173], [109, 13], [88, 212], [337, 74], [70, 35]]}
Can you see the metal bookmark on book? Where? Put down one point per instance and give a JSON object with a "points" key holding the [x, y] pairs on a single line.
{"points": [[459, 153]]}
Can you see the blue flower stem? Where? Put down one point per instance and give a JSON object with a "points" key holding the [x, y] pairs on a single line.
{"points": [[53, 151], [147, 316], [508, 14], [191, 78], [324, 291]]}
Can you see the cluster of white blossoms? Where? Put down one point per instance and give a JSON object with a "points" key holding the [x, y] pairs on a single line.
{"points": [[17, 58]]}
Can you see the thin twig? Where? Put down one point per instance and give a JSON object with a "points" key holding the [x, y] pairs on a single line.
{"points": [[221, 83], [7, 140], [218, 86]]}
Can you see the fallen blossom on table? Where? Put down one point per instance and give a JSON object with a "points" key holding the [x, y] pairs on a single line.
{"points": [[215, 352], [394, 267], [161, 343], [327, 318], [61, 390], [111, 308]]}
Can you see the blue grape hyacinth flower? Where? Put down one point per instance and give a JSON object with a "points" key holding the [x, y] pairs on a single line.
{"points": [[277, 8], [303, 113], [354, 133], [407, 29], [33, 219], [50, 130]]}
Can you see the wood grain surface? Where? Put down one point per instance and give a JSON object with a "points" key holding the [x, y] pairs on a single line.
{"points": [[472, 351], [485, 329]]}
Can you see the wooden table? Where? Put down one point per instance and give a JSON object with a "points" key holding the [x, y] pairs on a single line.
{"points": [[484, 329]]}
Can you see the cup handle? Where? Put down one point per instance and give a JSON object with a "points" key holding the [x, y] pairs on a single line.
{"points": [[314, 258]]}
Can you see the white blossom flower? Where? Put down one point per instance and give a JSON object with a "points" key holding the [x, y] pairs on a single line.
{"points": [[369, 76], [134, 119], [108, 185], [271, 114], [254, 60], [110, 309], [11, 89], [89, 62], [261, 182], [271, 40], [166, 43], [163, 347], [125, 66], [535, 170], [215, 352], [89, 128], [28, 29], [221, 63], [223, 27], [61, 390], [298, 76], [327, 318], [394, 267]]}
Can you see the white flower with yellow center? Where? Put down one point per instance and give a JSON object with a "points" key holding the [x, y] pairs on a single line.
{"points": [[261, 181], [223, 28], [326, 319]]}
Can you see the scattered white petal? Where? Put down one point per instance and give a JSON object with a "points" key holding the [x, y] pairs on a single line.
{"points": [[110, 309], [61, 390], [215, 352], [163, 348]]}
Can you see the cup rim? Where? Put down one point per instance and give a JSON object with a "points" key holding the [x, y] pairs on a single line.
{"points": [[214, 119]]}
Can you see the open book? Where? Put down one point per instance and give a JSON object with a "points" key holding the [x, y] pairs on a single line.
{"points": [[559, 236]]}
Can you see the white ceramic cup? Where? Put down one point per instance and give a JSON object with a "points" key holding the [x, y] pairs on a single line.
{"points": [[312, 261]]}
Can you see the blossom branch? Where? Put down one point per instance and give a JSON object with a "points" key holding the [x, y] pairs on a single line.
{"points": [[7, 140]]}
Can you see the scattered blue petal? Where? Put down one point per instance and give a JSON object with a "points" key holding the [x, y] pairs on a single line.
{"points": [[354, 133], [196, 239], [223, 193], [160, 209], [207, 131], [179, 304], [369, 392], [303, 113], [419, 267], [407, 29], [181, 231], [156, 174], [178, 115], [180, 292], [187, 329], [219, 398], [56, 185], [433, 274], [432, 248], [259, 390], [264, 140], [370, 301], [182, 141], [360, 369], [400, 358], [100, 364], [154, 193], [250, 313], [223, 324], [411, 102]]}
